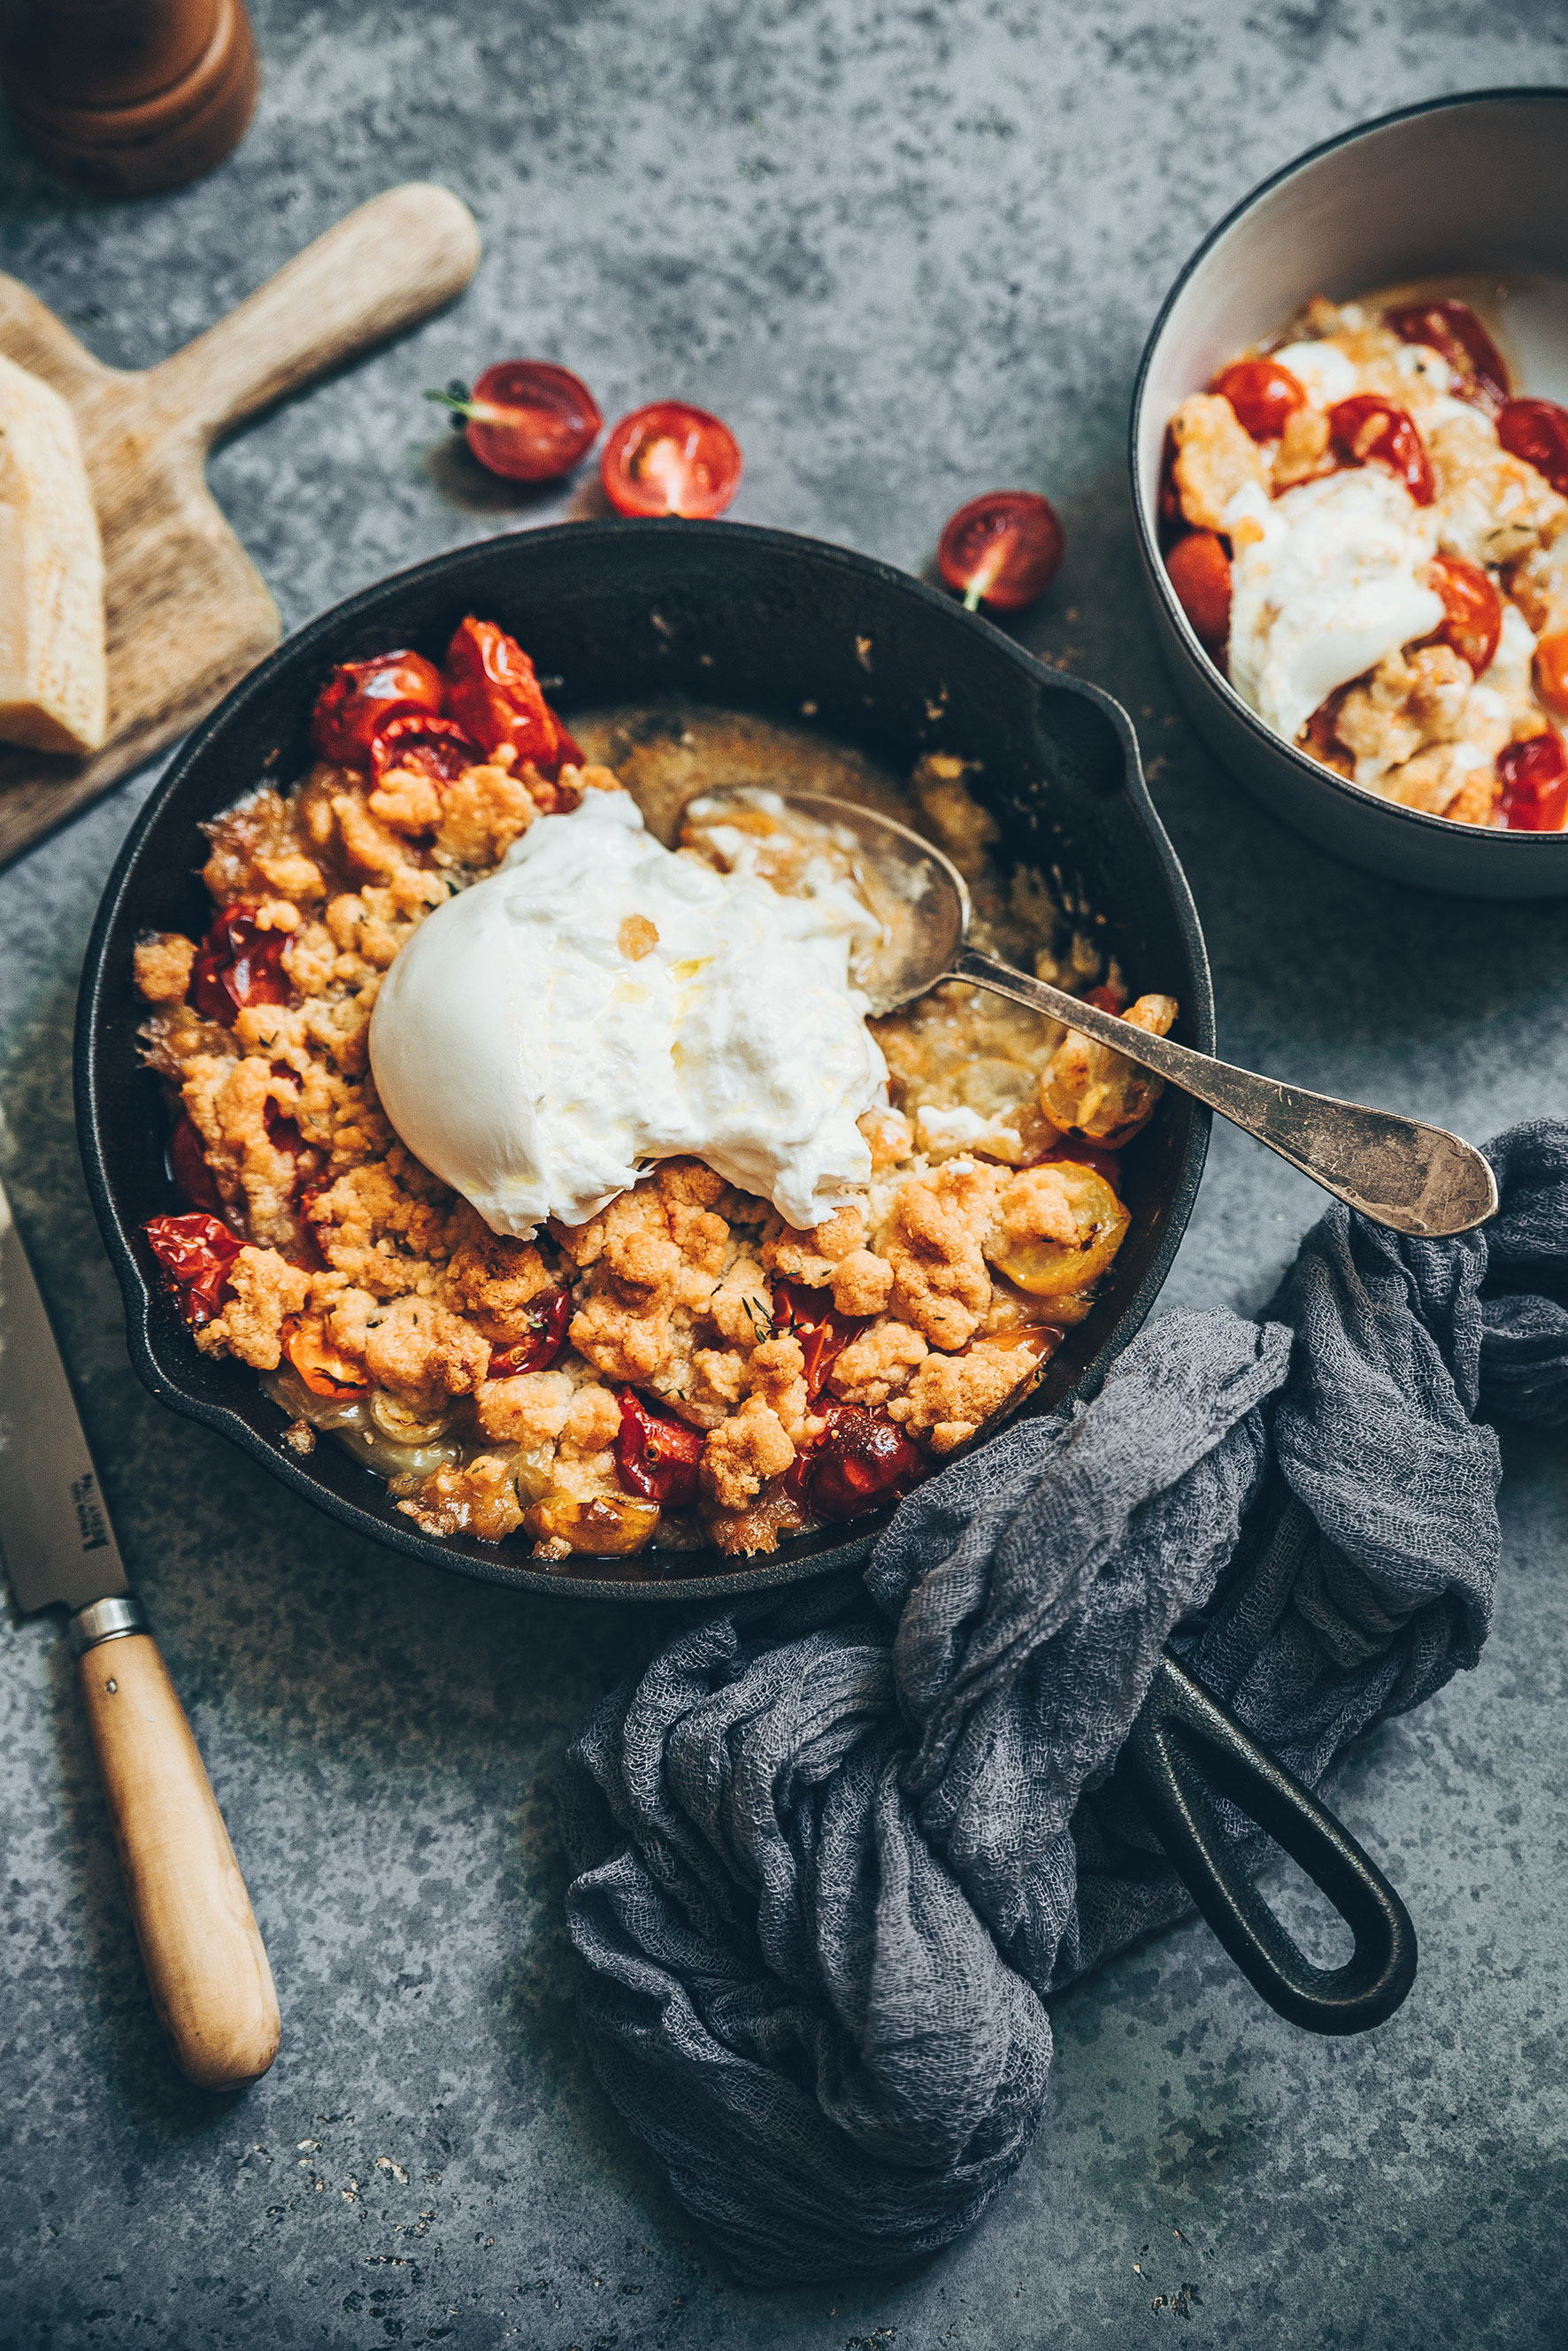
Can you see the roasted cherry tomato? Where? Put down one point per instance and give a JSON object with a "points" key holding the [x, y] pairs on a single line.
{"points": [[1003, 549], [495, 697], [1371, 431], [1454, 330], [436, 748], [1199, 571], [1552, 671], [188, 1169], [1263, 394], [195, 1253], [324, 1369], [1472, 609], [671, 459], [527, 420], [657, 1457], [811, 1316], [361, 697], [1534, 779], [1537, 431], [549, 1313], [1052, 1269], [237, 964], [861, 1458]]}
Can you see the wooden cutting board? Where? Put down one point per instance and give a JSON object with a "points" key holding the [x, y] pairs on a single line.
{"points": [[188, 614]]}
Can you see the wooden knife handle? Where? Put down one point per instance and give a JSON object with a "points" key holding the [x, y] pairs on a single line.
{"points": [[386, 267], [204, 1958]]}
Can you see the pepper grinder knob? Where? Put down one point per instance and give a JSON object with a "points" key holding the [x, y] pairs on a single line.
{"points": [[126, 97]]}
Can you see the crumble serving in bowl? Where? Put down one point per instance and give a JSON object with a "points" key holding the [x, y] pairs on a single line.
{"points": [[672, 1361]]}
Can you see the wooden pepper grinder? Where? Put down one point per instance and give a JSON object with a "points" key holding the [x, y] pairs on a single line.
{"points": [[126, 97]]}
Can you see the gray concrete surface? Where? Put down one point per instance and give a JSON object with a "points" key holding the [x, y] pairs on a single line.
{"points": [[909, 251]]}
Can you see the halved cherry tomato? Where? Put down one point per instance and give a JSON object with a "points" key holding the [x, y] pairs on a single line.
{"points": [[549, 1313], [1263, 394], [195, 1254], [527, 420], [1199, 571], [861, 1458], [1003, 549], [657, 1455], [1454, 330], [237, 964], [1472, 609], [811, 1316], [671, 459], [1552, 671], [495, 698], [188, 1169], [1537, 431], [1534, 779], [436, 748], [361, 697], [1050, 1269], [324, 1369], [1371, 431]]}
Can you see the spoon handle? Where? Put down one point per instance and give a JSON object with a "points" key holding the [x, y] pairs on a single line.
{"points": [[1399, 1172]]}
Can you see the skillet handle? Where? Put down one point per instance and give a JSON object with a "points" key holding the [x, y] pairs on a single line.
{"points": [[1183, 1739]]}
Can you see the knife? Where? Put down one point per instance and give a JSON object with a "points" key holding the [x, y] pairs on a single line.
{"points": [[206, 1964]]}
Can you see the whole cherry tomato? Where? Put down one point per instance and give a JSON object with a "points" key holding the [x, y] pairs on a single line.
{"points": [[1454, 330], [188, 1169], [1552, 671], [811, 1316], [657, 1457], [436, 748], [1371, 431], [671, 459], [1534, 779], [237, 964], [1199, 571], [1472, 609], [1003, 549], [527, 420], [549, 1313], [1537, 431], [361, 697], [1263, 394], [861, 1458], [495, 697], [194, 1253]]}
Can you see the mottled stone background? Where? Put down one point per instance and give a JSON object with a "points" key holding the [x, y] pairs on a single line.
{"points": [[910, 252]]}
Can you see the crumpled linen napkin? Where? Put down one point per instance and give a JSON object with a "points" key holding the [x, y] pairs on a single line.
{"points": [[833, 1853]]}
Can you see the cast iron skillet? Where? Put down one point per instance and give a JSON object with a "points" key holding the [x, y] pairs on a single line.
{"points": [[631, 612]]}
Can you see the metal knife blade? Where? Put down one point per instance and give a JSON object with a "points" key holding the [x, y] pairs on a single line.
{"points": [[53, 1524]]}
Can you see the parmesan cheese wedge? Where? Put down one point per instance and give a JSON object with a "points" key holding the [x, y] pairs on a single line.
{"points": [[54, 675]]}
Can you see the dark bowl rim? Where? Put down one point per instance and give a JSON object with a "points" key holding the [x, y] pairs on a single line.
{"points": [[1336, 787], [732, 1584]]}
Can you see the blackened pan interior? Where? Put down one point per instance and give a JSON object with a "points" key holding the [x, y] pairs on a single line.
{"points": [[623, 612]]}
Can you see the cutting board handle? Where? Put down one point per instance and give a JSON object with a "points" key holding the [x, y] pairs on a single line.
{"points": [[389, 265], [206, 1964]]}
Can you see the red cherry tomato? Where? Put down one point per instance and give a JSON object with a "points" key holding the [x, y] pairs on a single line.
{"points": [[237, 964], [657, 1457], [1534, 779], [1371, 431], [671, 459], [496, 700], [1263, 394], [1552, 671], [436, 748], [1472, 609], [188, 1169], [527, 420], [1537, 431], [194, 1253], [361, 697], [1454, 330], [861, 1460], [1003, 549], [1199, 571], [549, 1313], [811, 1316]]}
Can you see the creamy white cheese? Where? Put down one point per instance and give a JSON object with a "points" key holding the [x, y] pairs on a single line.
{"points": [[528, 1054], [1336, 581], [1325, 373]]}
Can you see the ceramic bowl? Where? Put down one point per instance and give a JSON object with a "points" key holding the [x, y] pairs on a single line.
{"points": [[1463, 186]]}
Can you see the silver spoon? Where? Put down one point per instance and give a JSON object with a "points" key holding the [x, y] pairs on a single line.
{"points": [[1398, 1172]]}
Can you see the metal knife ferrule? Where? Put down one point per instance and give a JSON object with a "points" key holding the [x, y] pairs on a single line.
{"points": [[105, 1620]]}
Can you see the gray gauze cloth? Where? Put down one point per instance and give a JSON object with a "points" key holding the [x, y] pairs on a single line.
{"points": [[834, 1853]]}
